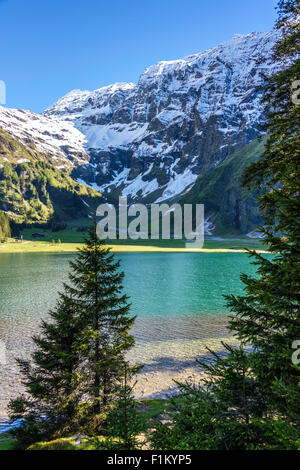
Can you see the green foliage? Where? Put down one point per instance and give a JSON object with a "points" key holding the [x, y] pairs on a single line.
{"points": [[56, 444], [228, 412], [268, 316], [223, 414], [191, 425], [72, 443], [151, 408], [97, 287], [124, 421], [5, 231], [7, 442], [58, 227], [251, 398], [80, 353], [35, 190], [51, 378]]}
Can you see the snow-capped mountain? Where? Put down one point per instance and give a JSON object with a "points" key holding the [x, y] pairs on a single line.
{"points": [[60, 140], [152, 140]]}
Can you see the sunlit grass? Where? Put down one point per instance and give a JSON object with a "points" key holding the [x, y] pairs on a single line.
{"points": [[66, 242]]}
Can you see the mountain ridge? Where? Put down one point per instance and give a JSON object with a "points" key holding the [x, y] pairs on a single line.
{"points": [[153, 140]]}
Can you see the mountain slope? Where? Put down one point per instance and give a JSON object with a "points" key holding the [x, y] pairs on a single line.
{"points": [[60, 141], [152, 140], [228, 206], [5, 230], [155, 140], [32, 190]]}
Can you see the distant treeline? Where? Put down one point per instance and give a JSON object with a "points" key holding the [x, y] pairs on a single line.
{"points": [[5, 230]]}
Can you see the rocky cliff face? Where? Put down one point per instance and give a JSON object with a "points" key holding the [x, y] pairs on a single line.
{"points": [[153, 140], [61, 141]]}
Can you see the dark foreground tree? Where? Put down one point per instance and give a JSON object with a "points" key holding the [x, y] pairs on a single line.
{"points": [[224, 413], [80, 353], [252, 400], [51, 379], [124, 423], [124, 420], [96, 286], [268, 316]]}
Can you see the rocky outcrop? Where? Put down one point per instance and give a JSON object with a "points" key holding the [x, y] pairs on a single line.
{"points": [[152, 141]]}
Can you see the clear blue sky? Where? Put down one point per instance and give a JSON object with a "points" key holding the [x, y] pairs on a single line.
{"points": [[51, 47]]}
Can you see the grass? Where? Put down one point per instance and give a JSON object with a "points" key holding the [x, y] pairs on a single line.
{"points": [[70, 241], [68, 443], [7, 442], [234, 243], [149, 408], [69, 235], [152, 408], [71, 238]]}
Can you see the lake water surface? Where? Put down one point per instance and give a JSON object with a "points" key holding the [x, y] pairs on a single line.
{"points": [[177, 298]]}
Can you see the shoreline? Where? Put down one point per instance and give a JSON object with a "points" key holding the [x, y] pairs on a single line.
{"points": [[44, 247], [151, 384], [174, 361]]}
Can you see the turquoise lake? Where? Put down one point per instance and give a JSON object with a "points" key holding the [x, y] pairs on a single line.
{"points": [[159, 284], [177, 298]]}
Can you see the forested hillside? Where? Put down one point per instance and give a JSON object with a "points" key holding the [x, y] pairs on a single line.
{"points": [[4, 226], [228, 205], [33, 190]]}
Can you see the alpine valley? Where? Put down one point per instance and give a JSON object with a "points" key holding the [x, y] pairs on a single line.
{"points": [[183, 133]]}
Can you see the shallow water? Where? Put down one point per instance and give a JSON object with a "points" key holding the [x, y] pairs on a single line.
{"points": [[177, 298]]}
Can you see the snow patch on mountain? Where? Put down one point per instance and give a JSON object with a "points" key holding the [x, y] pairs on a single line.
{"points": [[153, 139], [195, 111], [117, 135], [59, 138], [178, 184]]}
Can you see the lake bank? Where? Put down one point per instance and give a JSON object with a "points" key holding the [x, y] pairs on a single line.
{"points": [[45, 247], [173, 361]]}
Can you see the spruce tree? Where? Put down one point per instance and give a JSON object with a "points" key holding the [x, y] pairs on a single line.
{"points": [[51, 379], [80, 352], [268, 316], [96, 285], [251, 399], [124, 421], [224, 412]]}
